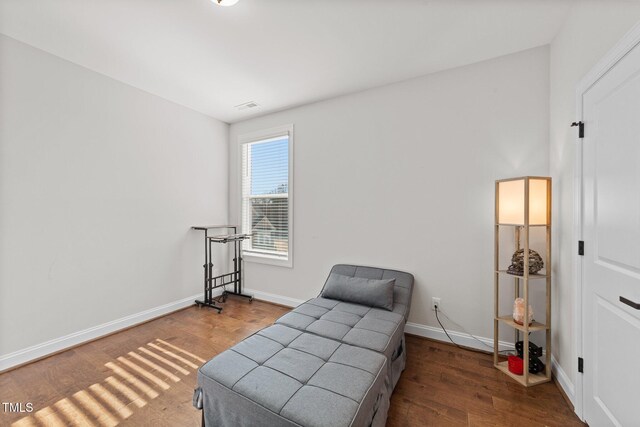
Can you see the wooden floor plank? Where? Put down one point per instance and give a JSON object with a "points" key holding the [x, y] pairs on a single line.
{"points": [[146, 375]]}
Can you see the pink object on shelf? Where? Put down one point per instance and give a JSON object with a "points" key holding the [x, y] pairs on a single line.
{"points": [[518, 312]]}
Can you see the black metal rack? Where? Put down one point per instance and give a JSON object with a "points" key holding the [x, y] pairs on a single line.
{"points": [[222, 281]]}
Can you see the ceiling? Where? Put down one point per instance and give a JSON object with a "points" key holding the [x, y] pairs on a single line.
{"points": [[278, 53]]}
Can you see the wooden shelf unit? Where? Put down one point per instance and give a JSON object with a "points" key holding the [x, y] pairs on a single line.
{"points": [[531, 276], [534, 326], [521, 232], [533, 379]]}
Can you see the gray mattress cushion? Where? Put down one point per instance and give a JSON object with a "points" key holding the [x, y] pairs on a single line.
{"points": [[372, 292], [282, 376], [367, 327], [363, 326], [402, 288]]}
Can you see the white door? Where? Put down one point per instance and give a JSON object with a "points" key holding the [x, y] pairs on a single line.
{"points": [[611, 263]]}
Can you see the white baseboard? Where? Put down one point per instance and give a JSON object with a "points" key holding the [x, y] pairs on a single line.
{"points": [[563, 380], [276, 299], [460, 338], [55, 345], [411, 328], [38, 351], [438, 334]]}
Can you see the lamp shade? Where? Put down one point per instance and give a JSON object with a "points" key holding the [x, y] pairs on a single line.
{"points": [[511, 204]]}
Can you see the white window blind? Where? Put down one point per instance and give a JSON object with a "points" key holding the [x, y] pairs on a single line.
{"points": [[265, 197]]}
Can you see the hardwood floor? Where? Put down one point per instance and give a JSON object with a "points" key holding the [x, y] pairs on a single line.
{"points": [[145, 376], [446, 386]]}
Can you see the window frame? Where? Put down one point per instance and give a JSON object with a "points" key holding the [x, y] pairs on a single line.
{"points": [[257, 136]]}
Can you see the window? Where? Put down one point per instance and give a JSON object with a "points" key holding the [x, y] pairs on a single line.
{"points": [[266, 196]]}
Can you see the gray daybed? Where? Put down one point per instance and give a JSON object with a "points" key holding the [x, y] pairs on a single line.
{"points": [[373, 328], [329, 362]]}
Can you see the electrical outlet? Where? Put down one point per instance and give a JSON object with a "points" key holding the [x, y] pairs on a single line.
{"points": [[434, 302]]}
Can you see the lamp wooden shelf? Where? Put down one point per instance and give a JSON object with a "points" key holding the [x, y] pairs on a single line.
{"points": [[534, 326], [523, 204], [533, 379], [531, 276]]}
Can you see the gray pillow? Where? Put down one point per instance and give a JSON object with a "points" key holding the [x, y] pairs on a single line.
{"points": [[371, 292]]}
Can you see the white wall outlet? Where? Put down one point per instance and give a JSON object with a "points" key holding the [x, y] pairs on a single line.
{"points": [[434, 302]]}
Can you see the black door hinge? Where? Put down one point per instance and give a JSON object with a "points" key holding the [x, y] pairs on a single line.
{"points": [[580, 128], [581, 247], [580, 365]]}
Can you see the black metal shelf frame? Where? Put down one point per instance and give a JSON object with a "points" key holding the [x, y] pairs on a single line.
{"points": [[233, 278]]}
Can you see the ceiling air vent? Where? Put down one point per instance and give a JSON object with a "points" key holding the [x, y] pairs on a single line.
{"points": [[247, 105]]}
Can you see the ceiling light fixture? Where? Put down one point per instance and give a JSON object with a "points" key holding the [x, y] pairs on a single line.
{"points": [[225, 2]]}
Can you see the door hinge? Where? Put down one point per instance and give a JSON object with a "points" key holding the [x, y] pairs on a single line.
{"points": [[580, 128], [580, 365], [581, 247]]}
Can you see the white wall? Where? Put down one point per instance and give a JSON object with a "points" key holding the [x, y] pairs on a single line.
{"points": [[591, 29], [402, 177], [99, 184]]}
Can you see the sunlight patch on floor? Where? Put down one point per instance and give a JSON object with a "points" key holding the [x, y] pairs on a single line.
{"points": [[164, 360], [114, 400], [99, 412], [181, 350], [116, 405], [48, 417], [145, 373], [126, 391], [173, 355], [72, 413], [155, 366]]}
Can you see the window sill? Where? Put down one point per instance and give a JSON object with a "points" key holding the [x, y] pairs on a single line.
{"points": [[267, 259]]}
